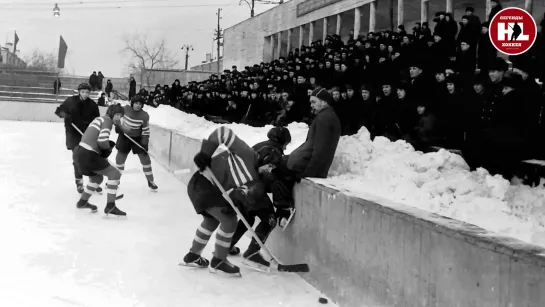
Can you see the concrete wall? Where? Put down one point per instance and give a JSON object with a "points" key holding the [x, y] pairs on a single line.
{"points": [[365, 254], [209, 67], [32, 111], [248, 42]]}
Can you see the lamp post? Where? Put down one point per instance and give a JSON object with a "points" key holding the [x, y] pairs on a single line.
{"points": [[187, 49], [57, 14]]}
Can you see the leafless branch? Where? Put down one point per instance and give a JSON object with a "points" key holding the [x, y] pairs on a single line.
{"points": [[146, 56]]}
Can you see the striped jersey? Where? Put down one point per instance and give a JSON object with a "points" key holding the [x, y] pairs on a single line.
{"points": [[97, 135], [233, 167], [135, 123]]}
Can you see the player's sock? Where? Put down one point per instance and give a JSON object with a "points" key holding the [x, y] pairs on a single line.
{"points": [[79, 185], [111, 190], [202, 236], [223, 243]]}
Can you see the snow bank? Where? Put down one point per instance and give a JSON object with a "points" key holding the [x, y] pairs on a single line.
{"points": [[393, 172]]}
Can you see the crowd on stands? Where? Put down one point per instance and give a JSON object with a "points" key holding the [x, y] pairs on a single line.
{"points": [[439, 86]]}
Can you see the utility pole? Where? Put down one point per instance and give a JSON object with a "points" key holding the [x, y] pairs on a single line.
{"points": [[187, 49], [218, 37]]}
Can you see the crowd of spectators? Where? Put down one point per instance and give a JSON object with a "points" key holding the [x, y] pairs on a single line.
{"points": [[440, 86]]}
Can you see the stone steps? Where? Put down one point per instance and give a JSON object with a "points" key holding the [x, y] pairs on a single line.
{"points": [[25, 89]]}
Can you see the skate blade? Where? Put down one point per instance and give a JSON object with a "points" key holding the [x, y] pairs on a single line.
{"points": [[111, 216], [256, 266], [222, 273], [153, 190], [192, 265], [288, 221]]}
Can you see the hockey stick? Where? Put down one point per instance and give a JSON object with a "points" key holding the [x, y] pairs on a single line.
{"points": [[303, 267], [175, 172]]}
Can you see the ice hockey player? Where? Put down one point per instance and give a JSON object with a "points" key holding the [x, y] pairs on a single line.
{"points": [[81, 111], [270, 153], [91, 157], [234, 168], [135, 124]]}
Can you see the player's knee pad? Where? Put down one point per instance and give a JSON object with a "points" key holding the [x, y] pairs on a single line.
{"points": [[144, 158], [121, 157], [113, 173], [96, 179], [229, 223]]}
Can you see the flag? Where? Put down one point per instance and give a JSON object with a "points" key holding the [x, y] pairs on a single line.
{"points": [[15, 41], [63, 48]]}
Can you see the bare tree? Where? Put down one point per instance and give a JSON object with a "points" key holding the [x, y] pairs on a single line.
{"points": [[146, 56], [43, 61]]}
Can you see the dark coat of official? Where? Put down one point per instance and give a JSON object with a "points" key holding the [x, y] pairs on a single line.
{"points": [[314, 157], [82, 113]]}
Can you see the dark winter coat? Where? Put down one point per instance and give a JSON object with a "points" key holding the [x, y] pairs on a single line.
{"points": [[82, 113], [314, 157]]}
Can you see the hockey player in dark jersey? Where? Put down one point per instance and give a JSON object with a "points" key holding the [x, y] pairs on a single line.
{"points": [[79, 110], [270, 153], [91, 157], [237, 169], [135, 124]]}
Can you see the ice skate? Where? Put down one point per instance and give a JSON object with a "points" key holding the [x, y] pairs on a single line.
{"points": [[234, 251], [224, 267], [195, 261], [152, 186], [83, 204], [254, 260], [112, 209]]}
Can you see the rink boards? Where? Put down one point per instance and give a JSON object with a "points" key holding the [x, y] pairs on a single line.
{"points": [[367, 254]]}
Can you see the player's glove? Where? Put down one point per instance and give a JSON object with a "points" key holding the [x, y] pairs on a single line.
{"points": [[63, 113], [202, 161], [118, 130], [145, 146], [105, 153]]}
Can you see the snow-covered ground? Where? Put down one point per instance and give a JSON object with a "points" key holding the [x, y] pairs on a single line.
{"points": [[54, 255], [389, 173]]}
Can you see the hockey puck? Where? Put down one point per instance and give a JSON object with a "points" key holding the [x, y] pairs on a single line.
{"points": [[322, 300]]}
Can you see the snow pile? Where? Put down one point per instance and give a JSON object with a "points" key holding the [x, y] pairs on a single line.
{"points": [[393, 172], [196, 127], [437, 182]]}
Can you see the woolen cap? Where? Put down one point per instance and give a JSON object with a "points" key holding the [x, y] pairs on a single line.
{"points": [[322, 94]]}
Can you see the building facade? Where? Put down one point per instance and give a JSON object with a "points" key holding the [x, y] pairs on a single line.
{"points": [[296, 23]]}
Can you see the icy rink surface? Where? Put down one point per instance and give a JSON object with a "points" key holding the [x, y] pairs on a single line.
{"points": [[55, 255]]}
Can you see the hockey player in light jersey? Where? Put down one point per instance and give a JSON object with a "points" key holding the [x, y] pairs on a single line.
{"points": [[135, 124], [91, 157], [236, 169]]}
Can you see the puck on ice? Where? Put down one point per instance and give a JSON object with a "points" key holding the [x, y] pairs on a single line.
{"points": [[322, 300]]}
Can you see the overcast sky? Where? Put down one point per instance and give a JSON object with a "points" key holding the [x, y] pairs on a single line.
{"points": [[94, 30]]}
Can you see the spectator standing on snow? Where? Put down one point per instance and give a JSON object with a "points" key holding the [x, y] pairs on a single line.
{"points": [[100, 79], [56, 86], [93, 81], [132, 88], [109, 87]]}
